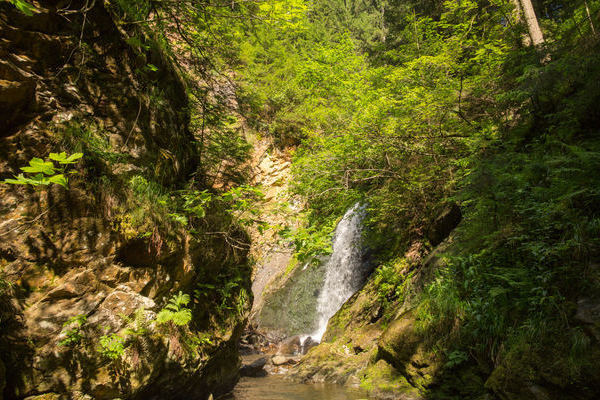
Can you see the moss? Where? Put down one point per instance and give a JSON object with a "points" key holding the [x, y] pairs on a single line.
{"points": [[382, 377], [399, 341], [291, 266]]}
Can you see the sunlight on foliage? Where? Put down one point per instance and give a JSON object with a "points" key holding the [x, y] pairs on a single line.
{"points": [[44, 173]]}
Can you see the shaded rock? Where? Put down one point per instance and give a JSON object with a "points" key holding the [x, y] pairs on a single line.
{"points": [[63, 262], [588, 311], [448, 219], [47, 396], [76, 286], [255, 369], [399, 342], [136, 253], [16, 99], [538, 392]]}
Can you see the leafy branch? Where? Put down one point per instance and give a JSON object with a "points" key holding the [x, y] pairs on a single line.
{"points": [[44, 173]]}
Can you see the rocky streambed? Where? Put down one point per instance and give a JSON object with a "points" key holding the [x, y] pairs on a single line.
{"points": [[266, 376]]}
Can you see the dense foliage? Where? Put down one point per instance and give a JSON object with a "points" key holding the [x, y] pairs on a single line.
{"points": [[435, 102], [407, 106]]}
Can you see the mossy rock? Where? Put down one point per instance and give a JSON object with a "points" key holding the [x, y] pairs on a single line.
{"points": [[400, 341], [383, 381], [546, 373], [464, 382]]}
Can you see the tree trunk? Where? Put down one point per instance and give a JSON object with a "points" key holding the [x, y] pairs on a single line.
{"points": [[535, 32], [587, 10], [518, 15]]}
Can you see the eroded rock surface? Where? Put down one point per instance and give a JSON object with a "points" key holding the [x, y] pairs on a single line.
{"points": [[76, 252]]}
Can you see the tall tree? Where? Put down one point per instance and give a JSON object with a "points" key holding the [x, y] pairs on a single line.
{"points": [[535, 32]]}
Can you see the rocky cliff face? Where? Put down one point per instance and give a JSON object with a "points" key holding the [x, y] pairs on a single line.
{"points": [[71, 80]]}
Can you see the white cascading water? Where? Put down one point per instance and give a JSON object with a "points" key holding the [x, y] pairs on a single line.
{"points": [[345, 269]]}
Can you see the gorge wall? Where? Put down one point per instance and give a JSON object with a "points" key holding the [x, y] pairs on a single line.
{"points": [[104, 250]]}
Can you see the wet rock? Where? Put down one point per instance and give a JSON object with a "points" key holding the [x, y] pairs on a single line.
{"points": [[308, 344], [254, 341], [255, 369], [290, 346]]}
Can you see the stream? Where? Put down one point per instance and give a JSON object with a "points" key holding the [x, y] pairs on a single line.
{"points": [[274, 387]]}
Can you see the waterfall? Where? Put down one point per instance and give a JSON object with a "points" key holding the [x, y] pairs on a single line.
{"points": [[345, 270]]}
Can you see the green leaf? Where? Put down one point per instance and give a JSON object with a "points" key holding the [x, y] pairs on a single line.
{"points": [[58, 156], [19, 180], [63, 159], [73, 158], [24, 7], [39, 165], [39, 179], [182, 219], [164, 316], [182, 317], [59, 179]]}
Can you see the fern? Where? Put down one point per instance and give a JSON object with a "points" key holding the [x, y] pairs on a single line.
{"points": [[175, 311], [112, 346], [137, 325]]}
